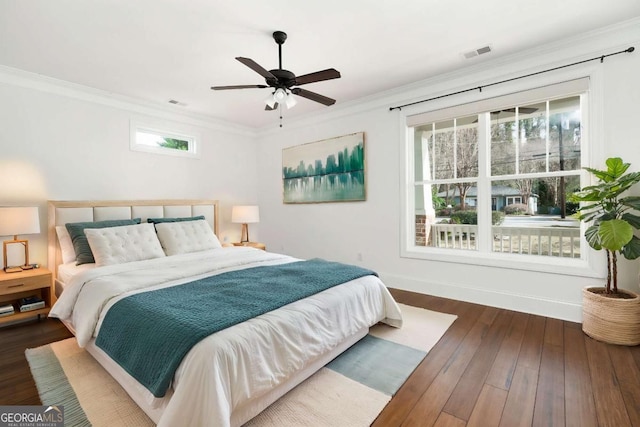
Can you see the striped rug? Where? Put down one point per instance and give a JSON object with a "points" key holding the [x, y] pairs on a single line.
{"points": [[350, 391]]}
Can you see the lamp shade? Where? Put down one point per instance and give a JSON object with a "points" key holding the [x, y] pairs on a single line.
{"points": [[19, 220], [245, 214]]}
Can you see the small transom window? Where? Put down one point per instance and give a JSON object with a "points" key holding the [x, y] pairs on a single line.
{"points": [[154, 140]]}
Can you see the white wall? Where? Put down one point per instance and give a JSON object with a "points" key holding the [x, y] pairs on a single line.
{"points": [[370, 230], [66, 145]]}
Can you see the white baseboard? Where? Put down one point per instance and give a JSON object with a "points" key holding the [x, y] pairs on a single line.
{"points": [[571, 311]]}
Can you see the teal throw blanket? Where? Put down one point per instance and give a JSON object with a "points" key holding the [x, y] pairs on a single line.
{"points": [[149, 333]]}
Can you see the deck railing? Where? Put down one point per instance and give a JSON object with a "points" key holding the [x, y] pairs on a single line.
{"points": [[544, 241]]}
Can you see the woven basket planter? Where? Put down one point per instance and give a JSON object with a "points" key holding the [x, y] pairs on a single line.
{"points": [[611, 320]]}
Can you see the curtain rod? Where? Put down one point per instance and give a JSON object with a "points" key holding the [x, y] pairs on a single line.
{"points": [[479, 88]]}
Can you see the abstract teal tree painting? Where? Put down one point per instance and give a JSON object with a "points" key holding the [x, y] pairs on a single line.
{"points": [[332, 170]]}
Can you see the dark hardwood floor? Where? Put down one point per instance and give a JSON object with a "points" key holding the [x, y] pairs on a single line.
{"points": [[16, 384], [493, 367]]}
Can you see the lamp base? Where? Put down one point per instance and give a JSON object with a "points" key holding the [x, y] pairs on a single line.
{"points": [[27, 267], [244, 234], [24, 243]]}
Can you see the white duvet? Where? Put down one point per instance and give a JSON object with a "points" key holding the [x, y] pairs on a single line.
{"points": [[225, 373]]}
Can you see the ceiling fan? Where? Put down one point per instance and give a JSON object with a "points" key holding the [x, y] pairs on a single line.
{"points": [[283, 81]]}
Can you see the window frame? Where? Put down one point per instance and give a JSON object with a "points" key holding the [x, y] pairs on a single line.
{"points": [[513, 200], [589, 264], [192, 138]]}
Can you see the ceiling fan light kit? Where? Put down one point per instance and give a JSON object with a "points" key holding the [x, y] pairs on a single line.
{"points": [[279, 95], [283, 81], [290, 101]]}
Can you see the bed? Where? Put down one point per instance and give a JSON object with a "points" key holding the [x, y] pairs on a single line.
{"points": [[231, 375]]}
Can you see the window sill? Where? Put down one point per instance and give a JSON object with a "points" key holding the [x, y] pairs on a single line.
{"points": [[542, 264]]}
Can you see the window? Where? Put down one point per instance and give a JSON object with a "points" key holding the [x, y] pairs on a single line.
{"points": [[490, 179], [153, 140], [511, 200]]}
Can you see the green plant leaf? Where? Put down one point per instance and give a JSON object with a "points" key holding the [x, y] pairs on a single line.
{"points": [[616, 167], [607, 216], [587, 217], [601, 175], [632, 249], [585, 196], [632, 219], [588, 207], [630, 179], [614, 234], [593, 238], [632, 202]]}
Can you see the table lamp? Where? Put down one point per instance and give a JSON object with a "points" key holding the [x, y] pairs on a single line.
{"points": [[15, 221], [245, 215]]}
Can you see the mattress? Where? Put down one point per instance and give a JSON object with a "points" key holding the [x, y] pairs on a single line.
{"points": [[67, 271], [233, 374]]}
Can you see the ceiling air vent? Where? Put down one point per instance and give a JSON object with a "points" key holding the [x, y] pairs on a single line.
{"points": [[476, 52]]}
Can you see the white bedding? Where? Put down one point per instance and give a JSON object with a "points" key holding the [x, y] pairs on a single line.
{"points": [[226, 373], [70, 269]]}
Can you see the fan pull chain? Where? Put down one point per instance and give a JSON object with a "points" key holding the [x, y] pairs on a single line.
{"points": [[280, 107]]}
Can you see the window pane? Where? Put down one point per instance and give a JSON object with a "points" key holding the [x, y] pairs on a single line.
{"points": [[467, 147], [564, 134], [537, 218], [503, 142], [426, 202], [160, 142], [155, 140], [441, 220], [532, 139], [448, 148], [442, 150]]}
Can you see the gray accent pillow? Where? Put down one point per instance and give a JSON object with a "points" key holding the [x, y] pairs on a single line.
{"points": [[181, 219], [80, 242]]}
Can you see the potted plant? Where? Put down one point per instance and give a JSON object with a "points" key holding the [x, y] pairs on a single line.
{"points": [[610, 314]]}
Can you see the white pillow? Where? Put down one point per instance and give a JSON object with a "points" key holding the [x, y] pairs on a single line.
{"points": [[66, 246], [186, 236], [127, 243]]}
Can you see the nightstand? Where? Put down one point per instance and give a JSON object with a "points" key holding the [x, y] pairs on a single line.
{"points": [[252, 245], [13, 286]]}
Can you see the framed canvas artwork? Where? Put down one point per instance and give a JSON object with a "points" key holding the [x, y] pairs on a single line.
{"points": [[331, 170]]}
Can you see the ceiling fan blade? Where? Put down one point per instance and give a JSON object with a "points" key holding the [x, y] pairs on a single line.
{"points": [[267, 108], [256, 67], [239, 87], [313, 96], [318, 76]]}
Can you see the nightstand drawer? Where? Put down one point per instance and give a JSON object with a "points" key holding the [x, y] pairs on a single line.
{"points": [[19, 284]]}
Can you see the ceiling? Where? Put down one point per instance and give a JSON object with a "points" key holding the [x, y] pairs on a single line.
{"points": [[159, 50]]}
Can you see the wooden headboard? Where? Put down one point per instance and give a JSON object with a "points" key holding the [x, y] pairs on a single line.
{"points": [[62, 212]]}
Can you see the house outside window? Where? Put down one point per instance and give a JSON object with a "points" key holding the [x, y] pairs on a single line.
{"points": [[494, 180]]}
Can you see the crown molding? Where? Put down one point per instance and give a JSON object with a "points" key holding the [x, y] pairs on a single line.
{"points": [[583, 46], [16, 77]]}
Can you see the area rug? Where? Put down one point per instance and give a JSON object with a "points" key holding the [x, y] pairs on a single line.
{"points": [[349, 391]]}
